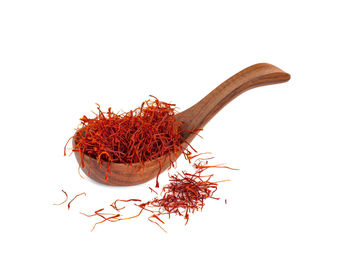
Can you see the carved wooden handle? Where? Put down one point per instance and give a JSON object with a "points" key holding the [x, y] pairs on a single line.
{"points": [[254, 76]]}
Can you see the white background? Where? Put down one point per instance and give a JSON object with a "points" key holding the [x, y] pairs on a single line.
{"points": [[290, 141]]}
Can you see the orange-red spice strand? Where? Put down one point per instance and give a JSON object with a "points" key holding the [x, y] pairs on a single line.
{"points": [[75, 198], [137, 136]]}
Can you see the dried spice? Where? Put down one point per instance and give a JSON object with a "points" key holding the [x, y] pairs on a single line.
{"points": [[65, 200], [184, 195], [75, 198], [137, 136]]}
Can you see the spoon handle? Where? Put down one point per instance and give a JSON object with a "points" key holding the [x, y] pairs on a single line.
{"points": [[254, 76]]}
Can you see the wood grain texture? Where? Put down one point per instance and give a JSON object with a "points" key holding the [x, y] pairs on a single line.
{"points": [[195, 117], [254, 76], [125, 175]]}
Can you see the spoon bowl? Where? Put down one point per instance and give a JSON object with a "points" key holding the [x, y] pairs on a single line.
{"points": [[196, 117]]}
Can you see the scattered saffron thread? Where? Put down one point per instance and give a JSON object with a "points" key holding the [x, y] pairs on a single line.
{"points": [[75, 198], [114, 204], [156, 217], [65, 200], [152, 190]]}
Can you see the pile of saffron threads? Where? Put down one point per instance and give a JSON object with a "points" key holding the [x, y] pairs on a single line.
{"points": [[184, 195], [137, 136]]}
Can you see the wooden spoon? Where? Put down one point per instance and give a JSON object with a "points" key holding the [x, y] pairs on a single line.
{"points": [[193, 118]]}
